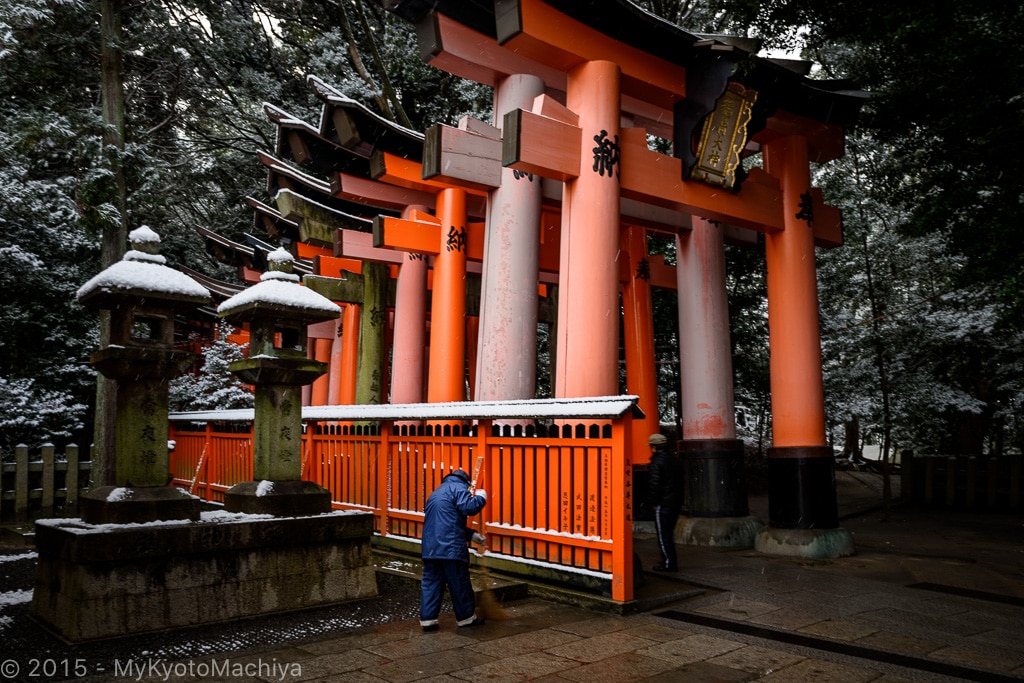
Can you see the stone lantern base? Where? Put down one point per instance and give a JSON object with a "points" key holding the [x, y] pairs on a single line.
{"points": [[137, 504], [294, 498], [106, 581]]}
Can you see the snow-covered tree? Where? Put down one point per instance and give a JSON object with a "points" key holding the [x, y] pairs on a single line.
{"points": [[213, 387]]}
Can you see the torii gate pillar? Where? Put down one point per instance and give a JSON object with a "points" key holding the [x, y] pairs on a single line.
{"points": [[802, 508], [507, 351], [410, 327], [447, 369], [715, 492], [588, 292]]}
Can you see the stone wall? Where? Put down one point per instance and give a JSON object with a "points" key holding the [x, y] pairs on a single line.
{"points": [[101, 581]]}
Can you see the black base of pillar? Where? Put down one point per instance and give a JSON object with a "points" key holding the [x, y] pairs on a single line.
{"points": [[715, 478], [802, 488], [279, 498]]}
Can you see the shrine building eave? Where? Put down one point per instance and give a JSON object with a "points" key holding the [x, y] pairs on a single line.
{"points": [[281, 176], [231, 253], [250, 257], [218, 288], [352, 125], [270, 219], [301, 143]]}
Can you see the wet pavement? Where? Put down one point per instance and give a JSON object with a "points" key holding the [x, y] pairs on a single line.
{"points": [[929, 596]]}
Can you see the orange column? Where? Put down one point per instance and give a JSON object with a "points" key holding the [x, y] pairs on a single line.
{"points": [[472, 364], [798, 398], [407, 353], [801, 475], [447, 371], [349, 354], [588, 296], [321, 385], [337, 367], [638, 326]]}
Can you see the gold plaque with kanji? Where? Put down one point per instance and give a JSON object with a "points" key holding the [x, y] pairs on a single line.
{"points": [[724, 136]]}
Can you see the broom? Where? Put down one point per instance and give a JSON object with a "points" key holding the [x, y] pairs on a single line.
{"points": [[487, 606]]}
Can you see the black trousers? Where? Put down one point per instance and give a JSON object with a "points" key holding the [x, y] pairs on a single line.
{"points": [[665, 518]]}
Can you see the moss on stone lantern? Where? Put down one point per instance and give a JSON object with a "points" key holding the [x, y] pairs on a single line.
{"points": [[142, 295], [278, 311]]}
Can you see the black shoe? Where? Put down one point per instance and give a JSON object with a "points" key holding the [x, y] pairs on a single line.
{"points": [[662, 568], [430, 629], [477, 621]]}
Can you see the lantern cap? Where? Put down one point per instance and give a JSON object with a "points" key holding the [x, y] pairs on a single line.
{"points": [[141, 275], [279, 294]]}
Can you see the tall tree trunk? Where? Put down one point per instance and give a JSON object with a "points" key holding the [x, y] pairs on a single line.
{"points": [[115, 235]]}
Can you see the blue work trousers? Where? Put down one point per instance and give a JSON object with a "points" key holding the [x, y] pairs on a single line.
{"points": [[455, 575]]}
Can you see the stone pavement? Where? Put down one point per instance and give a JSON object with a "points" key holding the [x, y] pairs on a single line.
{"points": [[930, 596]]}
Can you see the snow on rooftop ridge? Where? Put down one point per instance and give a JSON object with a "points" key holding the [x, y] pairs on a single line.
{"points": [[284, 117], [549, 408]]}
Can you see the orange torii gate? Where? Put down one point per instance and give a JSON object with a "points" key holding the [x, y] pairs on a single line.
{"points": [[611, 77], [522, 229], [478, 143]]}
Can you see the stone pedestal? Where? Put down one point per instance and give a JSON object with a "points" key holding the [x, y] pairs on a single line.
{"points": [[815, 544], [284, 498], [718, 532], [137, 505], [104, 581]]}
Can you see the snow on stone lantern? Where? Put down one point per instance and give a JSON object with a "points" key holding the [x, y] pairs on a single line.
{"points": [[142, 295], [278, 310]]}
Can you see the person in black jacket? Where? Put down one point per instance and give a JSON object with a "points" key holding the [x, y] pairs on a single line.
{"points": [[444, 552], [664, 491]]}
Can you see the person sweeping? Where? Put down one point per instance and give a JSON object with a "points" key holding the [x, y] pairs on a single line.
{"points": [[445, 553]]}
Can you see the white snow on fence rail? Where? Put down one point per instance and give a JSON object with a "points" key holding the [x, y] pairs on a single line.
{"points": [[595, 407]]}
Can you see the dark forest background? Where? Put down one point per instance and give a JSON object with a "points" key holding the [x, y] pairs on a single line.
{"points": [[922, 308]]}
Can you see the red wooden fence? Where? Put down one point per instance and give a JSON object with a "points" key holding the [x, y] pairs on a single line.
{"points": [[558, 493]]}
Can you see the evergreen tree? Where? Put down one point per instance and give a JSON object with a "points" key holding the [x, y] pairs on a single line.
{"points": [[213, 387], [50, 166]]}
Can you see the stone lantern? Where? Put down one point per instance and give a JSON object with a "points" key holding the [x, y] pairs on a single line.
{"points": [[278, 310], [142, 295]]}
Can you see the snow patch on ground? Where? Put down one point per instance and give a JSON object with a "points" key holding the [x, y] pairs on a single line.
{"points": [[19, 597], [14, 558]]}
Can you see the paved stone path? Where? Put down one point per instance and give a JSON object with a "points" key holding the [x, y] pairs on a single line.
{"points": [[929, 597]]}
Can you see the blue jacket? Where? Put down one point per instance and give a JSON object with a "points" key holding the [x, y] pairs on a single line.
{"points": [[444, 524]]}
